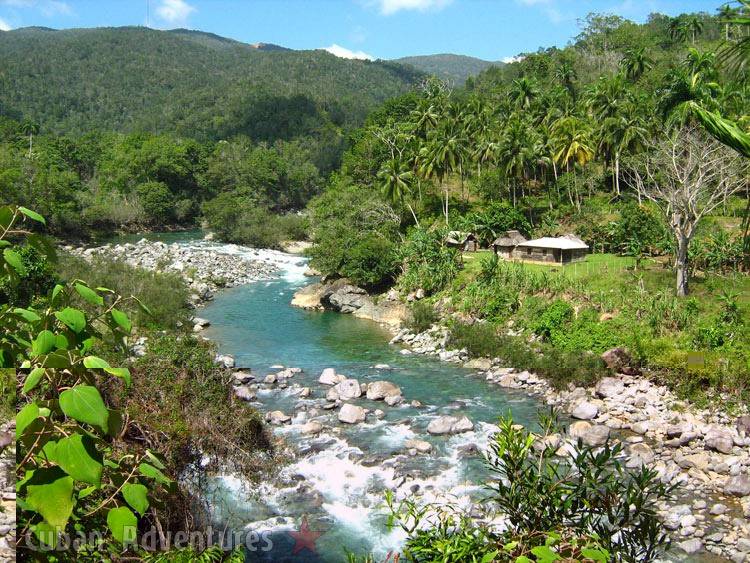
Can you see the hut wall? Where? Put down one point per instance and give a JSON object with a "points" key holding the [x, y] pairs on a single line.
{"points": [[536, 254]]}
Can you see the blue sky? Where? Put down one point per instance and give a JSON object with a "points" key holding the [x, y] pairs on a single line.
{"points": [[489, 29]]}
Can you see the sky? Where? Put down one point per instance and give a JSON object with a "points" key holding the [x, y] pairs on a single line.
{"points": [[488, 29]]}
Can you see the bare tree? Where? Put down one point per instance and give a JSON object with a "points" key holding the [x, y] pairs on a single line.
{"points": [[687, 175]]}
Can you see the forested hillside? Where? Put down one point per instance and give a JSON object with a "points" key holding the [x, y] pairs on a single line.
{"points": [[449, 67], [189, 83]]}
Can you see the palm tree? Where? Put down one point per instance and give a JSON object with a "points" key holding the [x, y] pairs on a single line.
{"points": [[607, 95], [684, 87], [30, 128], [736, 56], [523, 92], [425, 118], [439, 157], [726, 14], [566, 74], [395, 184], [636, 62], [693, 26], [678, 29], [572, 143], [516, 153], [624, 133], [700, 62]]}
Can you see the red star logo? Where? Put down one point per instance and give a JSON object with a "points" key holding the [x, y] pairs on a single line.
{"points": [[305, 538]]}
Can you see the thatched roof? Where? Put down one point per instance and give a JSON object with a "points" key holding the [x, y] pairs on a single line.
{"points": [[511, 238], [459, 237]]}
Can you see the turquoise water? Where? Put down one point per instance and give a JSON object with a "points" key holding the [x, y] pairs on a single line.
{"points": [[338, 479]]}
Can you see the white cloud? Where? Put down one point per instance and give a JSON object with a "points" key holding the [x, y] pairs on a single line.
{"points": [[345, 53], [4, 26], [388, 7], [515, 59], [174, 12]]}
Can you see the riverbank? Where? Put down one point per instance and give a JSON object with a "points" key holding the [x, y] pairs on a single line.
{"points": [[705, 451]]}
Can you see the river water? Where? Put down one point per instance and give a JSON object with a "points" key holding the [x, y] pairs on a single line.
{"points": [[338, 478]]}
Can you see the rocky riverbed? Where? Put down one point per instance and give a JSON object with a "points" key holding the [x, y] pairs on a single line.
{"points": [[204, 266], [7, 492], [706, 452]]}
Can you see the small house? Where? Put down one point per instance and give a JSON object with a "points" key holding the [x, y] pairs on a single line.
{"points": [[504, 245], [465, 242], [559, 250]]}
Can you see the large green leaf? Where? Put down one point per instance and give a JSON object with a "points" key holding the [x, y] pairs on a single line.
{"points": [[122, 373], [123, 524], [44, 343], [89, 294], [152, 472], [78, 457], [14, 259], [726, 131], [84, 404], [27, 315], [32, 214], [136, 495], [50, 493], [92, 362], [26, 416], [74, 319], [122, 320], [33, 379]]}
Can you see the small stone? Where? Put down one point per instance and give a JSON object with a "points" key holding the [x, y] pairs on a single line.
{"points": [[420, 445], [640, 427], [277, 417], [270, 378], [738, 486], [691, 546], [311, 427], [718, 509]]}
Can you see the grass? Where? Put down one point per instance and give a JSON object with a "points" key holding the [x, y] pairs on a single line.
{"points": [[615, 303]]}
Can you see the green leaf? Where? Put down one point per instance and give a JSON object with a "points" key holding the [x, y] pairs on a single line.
{"points": [[84, 404], [155, 460], [77, 456], [151, 471], [488, 557], [50, 493], [74, 319], [83, 493], [27, 315], [143, 307], [123, 524], [545, 554], [6, 216], [32, 214], [92, 362], [33, 379], [136, 495], [89, 294], [14, 259], [61, 342], [47, 534], [595, 554], [26, 416], [122, 320], [56, 291], [122, 373], [44, 343]]}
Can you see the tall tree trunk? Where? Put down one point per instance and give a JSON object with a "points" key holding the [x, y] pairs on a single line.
{"points": [[617, 173], [681, 264], [416, 221]]}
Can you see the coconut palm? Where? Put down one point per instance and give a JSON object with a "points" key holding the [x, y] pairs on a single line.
{"points": [[607, 95], [636, 62], [694, 26], [684, 87], [726, 14], [572, 142], [678, 30], [565, 73], [736, 55], [524, 91], [395, 183], [516, 153], [440, 156], [620, 134]]}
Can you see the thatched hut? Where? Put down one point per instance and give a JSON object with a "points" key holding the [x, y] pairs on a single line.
{"points": [[504, 245], [465, 242]]}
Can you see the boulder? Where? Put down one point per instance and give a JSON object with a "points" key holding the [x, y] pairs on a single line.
{"points": [[482, 364], [420, 445], [244, 393], [332, 394], [619, 360], [243, 376], [691, 546], [743, 425], [277, 417], [348, 389], [609, 387], [449, 425], [585, 411], [270, 378], [344, 297], [640, 454], [738, 486], [393, 400], [351, 414], [311, 427], [379, 390], [719, 439], [330, 377], [309, 297], [591, 435]]}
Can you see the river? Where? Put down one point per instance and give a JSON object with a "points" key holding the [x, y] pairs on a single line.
{"points": [[338, 478]]}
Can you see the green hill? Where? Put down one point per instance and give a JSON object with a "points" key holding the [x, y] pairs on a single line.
{"points": [[185, 82], [453, 68]]}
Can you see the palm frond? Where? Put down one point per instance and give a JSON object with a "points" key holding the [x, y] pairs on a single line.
{"points": [[725, 130]]}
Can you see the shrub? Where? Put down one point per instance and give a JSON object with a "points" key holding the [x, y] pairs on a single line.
{"points": [[371, 261], [427, 263], [553, 318], [584, 508], [37, 279], [422, 317], [157, 201]]}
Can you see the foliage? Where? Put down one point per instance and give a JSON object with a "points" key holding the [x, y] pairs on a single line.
{"points": [[69, 468], [37, 278], [586, 507], [427, 263], [422, 317]]}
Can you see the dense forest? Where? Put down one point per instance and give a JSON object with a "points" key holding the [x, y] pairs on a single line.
{"points": [[454, 69]]}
